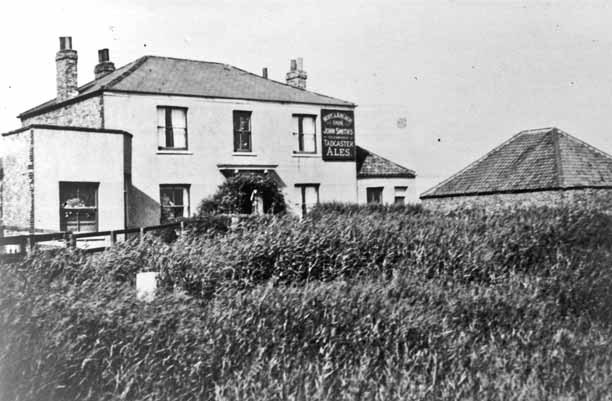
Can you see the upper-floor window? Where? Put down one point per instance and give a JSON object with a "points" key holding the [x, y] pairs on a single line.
{"points": [[242, 131], [305, 129], [171, 128]]}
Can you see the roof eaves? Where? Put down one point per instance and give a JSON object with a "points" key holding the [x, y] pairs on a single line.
{"points": [[514, 191], [66, 128], [410, 174]]}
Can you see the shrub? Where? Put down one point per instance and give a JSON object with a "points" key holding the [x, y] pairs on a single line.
{"points": [[234, 195]]}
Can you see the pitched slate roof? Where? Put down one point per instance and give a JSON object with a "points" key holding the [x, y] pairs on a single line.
{"points": [[371, 165], [533, 160], [172, 76]]}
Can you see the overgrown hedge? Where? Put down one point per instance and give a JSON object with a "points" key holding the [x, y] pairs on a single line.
{"points": [[351, 303]]}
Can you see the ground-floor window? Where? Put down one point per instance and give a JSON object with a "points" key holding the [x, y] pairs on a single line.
{"points": [[309, 194], [400, 195], [374, 195], [79, 206], [174, 201]]}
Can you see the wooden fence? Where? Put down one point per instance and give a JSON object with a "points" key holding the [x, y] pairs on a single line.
{"points": [[15, 247]]}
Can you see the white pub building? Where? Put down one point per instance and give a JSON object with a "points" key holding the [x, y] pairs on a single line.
{"points": [[162, 131]]}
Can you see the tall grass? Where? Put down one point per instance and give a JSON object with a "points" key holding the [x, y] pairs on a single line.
{"points": [[351, 303]]}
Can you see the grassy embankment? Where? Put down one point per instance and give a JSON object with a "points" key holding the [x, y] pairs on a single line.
{"points": [[352, 303]]}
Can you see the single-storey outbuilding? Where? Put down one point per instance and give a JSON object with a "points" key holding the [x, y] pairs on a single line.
{"points": [[533, 168]]}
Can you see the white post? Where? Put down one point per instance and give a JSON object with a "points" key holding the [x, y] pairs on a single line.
{"points": [[146, 285]]}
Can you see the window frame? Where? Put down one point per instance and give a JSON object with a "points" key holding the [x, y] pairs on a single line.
{"points": [[300, 134], [96, 209], [400, 193], [171, 148], [380, 190], [302, 187], [186, 188], [237, 133]]}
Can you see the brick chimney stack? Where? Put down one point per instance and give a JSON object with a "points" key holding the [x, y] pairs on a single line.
{"points": [[104, 66], [296, 76], [66, 62]]}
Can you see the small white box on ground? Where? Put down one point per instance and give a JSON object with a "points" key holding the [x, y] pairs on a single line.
{"points": [[146, 285]]}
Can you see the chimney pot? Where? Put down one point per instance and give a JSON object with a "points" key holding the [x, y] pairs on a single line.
{"points": [[104, 66], [300, 64], [65, 42], [264, 73], [103, 55], [293, 65]]}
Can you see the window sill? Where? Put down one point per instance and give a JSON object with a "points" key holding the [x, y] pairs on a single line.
{"points": [[249, 154], [312, 155], [174, 152]]}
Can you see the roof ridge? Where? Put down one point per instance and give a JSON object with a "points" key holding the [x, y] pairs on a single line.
{"points": [[558, 159], [387, 160], [248, 72], [136, 64], [431, 190], [580, 141], [537, 130]]}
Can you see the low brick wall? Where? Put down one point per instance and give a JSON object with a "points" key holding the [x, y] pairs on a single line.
{"points": [[589, 198]]}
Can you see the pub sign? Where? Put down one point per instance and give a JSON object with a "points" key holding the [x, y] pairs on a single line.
{"points": [[338, 135]]}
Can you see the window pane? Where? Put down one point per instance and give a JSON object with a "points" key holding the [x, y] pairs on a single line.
{"points": [[161, 137], [308, 125], [78, 195], [399, 200], [374, 195], [180, 138], [309, 143], [178, 118], [244, 123], [161, 116], [296, 122], [310, 195]]}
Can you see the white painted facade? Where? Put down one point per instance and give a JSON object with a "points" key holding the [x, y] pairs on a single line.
{"points": [[78, 156], [391, 187], [210, 149]]}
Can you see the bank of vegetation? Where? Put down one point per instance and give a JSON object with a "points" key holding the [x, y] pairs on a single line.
{"points": [[351, 303]]}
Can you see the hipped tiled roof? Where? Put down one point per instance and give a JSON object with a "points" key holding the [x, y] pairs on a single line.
{"points": [[172, 76], [533, 160], [371, 165]]}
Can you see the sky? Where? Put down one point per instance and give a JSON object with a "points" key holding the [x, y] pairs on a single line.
{"points": [[437, 83]]}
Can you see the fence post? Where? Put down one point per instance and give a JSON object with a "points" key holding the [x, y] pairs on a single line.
{"points": [[113, 238], [71, 240], [30, 244], [141, 233], [182, 227]]}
